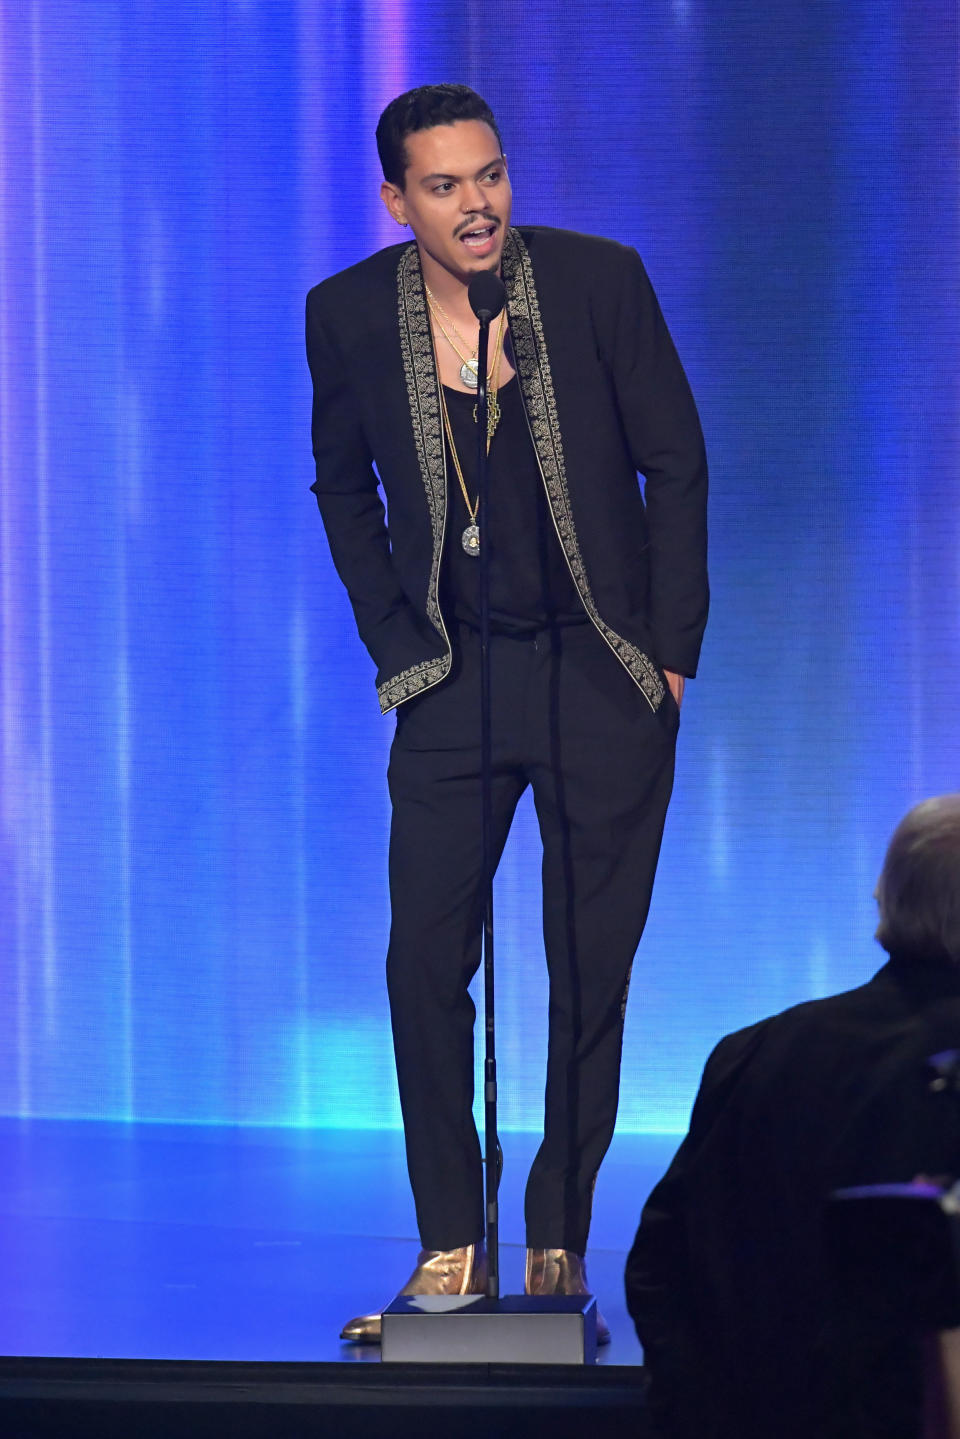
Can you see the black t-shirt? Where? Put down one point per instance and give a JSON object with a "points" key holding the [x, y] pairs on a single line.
{"points": [[530, 582]]}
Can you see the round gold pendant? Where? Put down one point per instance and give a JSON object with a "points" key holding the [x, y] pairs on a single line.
{"points": [[471, 540]]}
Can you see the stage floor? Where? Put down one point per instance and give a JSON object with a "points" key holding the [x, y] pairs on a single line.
{"points": [[199, 1243]]}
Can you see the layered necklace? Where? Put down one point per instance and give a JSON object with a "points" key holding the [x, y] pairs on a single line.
{"points": [[469, 374], [469, 364]]}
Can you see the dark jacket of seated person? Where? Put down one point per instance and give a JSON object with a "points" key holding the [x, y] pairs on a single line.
{"points": [[727, 1281]]}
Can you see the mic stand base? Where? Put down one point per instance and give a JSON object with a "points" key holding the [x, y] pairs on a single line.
{"points": [[474, 1329]]}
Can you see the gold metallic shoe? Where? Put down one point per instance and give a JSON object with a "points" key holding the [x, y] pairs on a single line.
{"points": [[438, 1271], [560, 1271]]}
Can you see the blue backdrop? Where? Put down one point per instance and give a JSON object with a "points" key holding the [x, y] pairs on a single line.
{"points": [[194, 813]]}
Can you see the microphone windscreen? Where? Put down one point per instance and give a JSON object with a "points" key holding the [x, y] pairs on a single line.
{"points": [[486, 295]]}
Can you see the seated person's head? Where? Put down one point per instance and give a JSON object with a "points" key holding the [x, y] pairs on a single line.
{"points": [[919, 887]]}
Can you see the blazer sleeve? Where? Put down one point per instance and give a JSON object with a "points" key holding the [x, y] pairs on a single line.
{"points": [[353, 514], [666, 445]]}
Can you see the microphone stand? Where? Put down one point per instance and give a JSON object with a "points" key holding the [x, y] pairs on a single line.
{"points": [[491, 1143]]}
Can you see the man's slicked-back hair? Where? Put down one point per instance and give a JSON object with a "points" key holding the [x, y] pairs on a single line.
{"points": [[919, 887], [421, 109]]}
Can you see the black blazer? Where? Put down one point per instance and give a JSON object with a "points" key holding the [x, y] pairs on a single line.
{"points": [[727, 1281], [605, 396]]}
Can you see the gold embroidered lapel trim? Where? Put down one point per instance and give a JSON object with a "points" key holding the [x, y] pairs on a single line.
{"points": [[420, 376], [536, 381]]}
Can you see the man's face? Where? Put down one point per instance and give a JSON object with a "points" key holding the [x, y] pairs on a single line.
{"points": [[456, 197]]}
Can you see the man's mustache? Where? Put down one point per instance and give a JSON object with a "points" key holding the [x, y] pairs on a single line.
{"points": [[474, 221]]}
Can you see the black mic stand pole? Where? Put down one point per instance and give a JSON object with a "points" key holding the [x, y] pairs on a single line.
{"points": [[491, 1148]]}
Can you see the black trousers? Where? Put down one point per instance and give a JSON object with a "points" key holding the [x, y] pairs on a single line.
{"points": [[569, 721]]}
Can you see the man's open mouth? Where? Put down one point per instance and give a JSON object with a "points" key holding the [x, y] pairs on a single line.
{"points": [[478, 236]]}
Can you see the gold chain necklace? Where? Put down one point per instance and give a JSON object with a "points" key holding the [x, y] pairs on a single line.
{"points": [[469, 365], [470, 539]]}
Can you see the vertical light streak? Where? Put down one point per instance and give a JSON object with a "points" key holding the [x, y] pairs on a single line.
{"points": [[386, 76], [298, 708], [6, 449], [314, 150], [12, 797], [916, 667], [818, 968], [45, 802], [719, 814], [312, 143], [128, 484], [123, 841]]}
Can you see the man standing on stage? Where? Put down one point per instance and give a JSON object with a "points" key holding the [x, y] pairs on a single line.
{"points": [[598, 604]]}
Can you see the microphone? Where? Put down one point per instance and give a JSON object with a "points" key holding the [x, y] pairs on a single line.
{"points": [[486, 295]]}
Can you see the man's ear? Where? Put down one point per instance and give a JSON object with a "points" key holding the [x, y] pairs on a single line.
{"points": [[393, 199]]}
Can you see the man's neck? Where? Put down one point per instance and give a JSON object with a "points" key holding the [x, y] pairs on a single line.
{"points": [[449, 289]]}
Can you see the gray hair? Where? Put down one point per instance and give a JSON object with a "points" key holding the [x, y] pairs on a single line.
{"points": [[919, 887]]}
